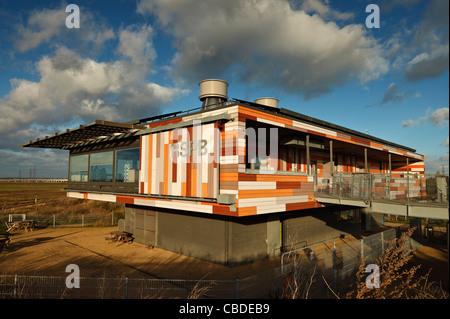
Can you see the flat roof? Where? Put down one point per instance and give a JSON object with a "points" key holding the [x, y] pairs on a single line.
{"points": [[90, 132]]}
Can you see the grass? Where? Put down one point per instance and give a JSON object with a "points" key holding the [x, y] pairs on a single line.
{"points": [[41, 201]]}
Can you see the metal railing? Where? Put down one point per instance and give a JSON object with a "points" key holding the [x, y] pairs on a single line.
{"points": [[412, 188]]}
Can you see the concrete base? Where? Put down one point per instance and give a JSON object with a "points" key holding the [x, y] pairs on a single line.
{"points": [[234, 241]]}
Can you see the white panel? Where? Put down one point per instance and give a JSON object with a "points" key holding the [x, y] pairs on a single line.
{"points": [[75, 195], [103, 197], [256, 185]]}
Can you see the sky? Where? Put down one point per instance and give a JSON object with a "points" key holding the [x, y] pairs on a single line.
{"points": [[134, 59]]}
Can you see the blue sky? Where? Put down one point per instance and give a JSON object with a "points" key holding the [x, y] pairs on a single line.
{"points": [[134, 59]]}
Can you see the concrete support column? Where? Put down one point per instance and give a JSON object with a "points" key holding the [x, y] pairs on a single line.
{"points": [[308, 157], [366, 167]]}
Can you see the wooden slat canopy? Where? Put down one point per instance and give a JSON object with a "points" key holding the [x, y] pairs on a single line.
{"points": [[82, 134]]}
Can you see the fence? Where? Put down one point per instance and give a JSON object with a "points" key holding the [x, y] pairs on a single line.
{"points": [[337, 264], [62, 220]]}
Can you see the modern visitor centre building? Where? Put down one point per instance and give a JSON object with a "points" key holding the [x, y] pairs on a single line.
{"points": [[236, 181]]}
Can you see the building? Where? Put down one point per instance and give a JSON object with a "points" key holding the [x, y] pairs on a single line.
{"points": [[235, 181]]}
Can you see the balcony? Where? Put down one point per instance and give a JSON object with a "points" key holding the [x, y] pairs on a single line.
{"points": [[413, 195]]}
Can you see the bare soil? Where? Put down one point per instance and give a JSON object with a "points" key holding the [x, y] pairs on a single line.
{"points": [[48, 251]]}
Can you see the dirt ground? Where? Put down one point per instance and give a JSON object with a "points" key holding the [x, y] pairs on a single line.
{"points": [[48, 251]]}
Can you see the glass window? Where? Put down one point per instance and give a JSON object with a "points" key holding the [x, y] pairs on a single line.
{"points": [[101, 167], [79, 168], [127, 165]]}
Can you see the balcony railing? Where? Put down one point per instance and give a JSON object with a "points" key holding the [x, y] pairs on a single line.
{"points": [[415, 188]]}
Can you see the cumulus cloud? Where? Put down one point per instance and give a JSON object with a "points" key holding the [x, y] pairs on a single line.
{"points": [[435, 163], [267, 42], [52, 163], [47, 26], [395, 94], [439, 117], [429, 47], [445, 143], [72, 88]]}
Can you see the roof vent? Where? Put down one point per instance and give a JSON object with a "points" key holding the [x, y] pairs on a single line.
{"points": [[267, 101], [213, 93]]}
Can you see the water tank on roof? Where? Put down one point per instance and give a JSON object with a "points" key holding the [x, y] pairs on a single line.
{"points": [[267, 101], [213, 93]]}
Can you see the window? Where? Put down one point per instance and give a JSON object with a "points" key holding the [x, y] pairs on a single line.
{"points": [[101, 167], [79, 168], [127, 165]]}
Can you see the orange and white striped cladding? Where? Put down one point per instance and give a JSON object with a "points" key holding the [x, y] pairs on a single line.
{"points": [[185, 171], [181, 162]]}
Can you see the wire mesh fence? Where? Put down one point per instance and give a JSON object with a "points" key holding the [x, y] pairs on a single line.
{"points": [[311, 272], [66, 220], [334, 268]]}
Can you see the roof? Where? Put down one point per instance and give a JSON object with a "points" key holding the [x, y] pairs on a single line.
{"points": [[92, 133], [83, 134]]}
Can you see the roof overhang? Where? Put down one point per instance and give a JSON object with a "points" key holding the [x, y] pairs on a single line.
{"points": [[83, 134]]}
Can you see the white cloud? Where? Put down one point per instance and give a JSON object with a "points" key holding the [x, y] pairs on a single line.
{"points": [[445, 143], [267, 42], [47, 26], [439, 117], [429, 47], [395, 94], [435, 163], [76, 88], [323, 10]]}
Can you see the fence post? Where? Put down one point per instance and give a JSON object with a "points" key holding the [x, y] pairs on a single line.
{"points": [[54, 220], [82, 220], [362, 249], [112, 219], [334, 266], [237, 288], [126, 287], [382, 242], [15, 286]]}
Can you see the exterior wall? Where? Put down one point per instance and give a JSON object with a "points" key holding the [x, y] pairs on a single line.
{"points": [[219, 239], [181, 162], [234, 241], [196, 181]]}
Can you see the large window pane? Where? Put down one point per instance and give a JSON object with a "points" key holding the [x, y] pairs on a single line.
{"points": [[101, 167], [79, 168], [127, 165]]}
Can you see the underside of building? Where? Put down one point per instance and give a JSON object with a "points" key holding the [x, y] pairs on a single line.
{"points": [[237, 181]]}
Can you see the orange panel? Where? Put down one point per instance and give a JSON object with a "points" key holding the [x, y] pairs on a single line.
{"points": [[166, 169], [150, 161], [204, 189], [194, 183], [261, 193], [183, 189], [228, 177], [263, 115], [280, 178], [246, 211]]}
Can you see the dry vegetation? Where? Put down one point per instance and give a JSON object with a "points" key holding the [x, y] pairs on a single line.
{"points": [[398, 279], [42, 201]]}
